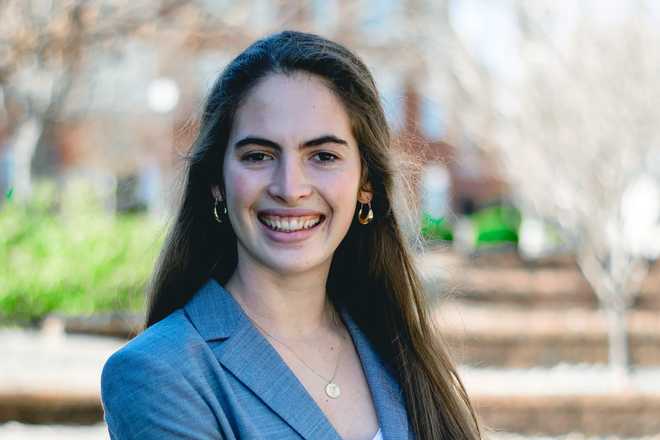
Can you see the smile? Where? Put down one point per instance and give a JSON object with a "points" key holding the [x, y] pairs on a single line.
{"points": [[290, 224]]}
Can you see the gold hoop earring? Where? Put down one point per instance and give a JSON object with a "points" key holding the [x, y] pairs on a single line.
{"points": [[368, 218], [218, 217]]}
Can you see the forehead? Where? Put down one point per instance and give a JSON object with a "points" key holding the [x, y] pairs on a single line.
{"points": [[292, 108]]}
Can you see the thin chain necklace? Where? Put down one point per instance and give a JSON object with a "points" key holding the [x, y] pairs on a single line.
{"points": [[332, 390]]}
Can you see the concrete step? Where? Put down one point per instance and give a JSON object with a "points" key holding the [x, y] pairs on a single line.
{"points": [[620, 415], [556, 286], [19, 431], [54, 378], [495, 335], [587, 399], [46, 407], [616, 415], [116, 325], [486, 334], [22, 431]]}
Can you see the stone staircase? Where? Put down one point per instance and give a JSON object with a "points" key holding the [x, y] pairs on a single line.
{"points": [[533, 347], [530, 340]]}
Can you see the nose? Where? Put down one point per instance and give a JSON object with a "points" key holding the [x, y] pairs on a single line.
{"points": [[290, 182]]}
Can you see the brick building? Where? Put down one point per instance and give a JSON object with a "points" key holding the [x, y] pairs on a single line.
{"points": [[111, 128]]}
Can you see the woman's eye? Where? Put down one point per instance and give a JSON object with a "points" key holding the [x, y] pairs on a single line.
{"points": [[256, 157], [324, 156]]}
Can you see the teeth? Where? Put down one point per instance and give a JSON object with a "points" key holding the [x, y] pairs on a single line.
{"points": [[290, 224]]}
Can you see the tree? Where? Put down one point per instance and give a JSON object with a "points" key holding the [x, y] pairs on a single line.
{"points": [[573, 119], [44, 46], [577, 146]]}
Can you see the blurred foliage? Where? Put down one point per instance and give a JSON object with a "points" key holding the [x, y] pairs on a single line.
{"points": [[63, 253], [496, 224], [493, 224], [72, 257], [436, 229]]}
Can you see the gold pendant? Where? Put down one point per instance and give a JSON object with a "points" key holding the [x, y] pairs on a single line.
{"points": [[332, 390]]}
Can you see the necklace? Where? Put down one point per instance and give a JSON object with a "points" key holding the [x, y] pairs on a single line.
{"points": [[332, 390]]}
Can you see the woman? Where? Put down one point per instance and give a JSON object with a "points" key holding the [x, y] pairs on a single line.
{"points": [[285, 303]]}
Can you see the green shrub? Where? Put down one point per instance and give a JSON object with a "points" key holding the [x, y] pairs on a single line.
{"points": [[77, 262], [436, 229], [496, 224]]}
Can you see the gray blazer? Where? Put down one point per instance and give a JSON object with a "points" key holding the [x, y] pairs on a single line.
{"points": [[205, 372]]}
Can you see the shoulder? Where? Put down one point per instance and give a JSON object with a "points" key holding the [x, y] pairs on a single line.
{"points": [[146, 386], [160, 344]]}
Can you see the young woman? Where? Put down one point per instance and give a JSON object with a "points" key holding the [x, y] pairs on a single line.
{"points": [[286, 304]]}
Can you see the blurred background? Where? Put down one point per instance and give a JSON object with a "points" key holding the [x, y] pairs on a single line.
{"points": [[538, 128]]}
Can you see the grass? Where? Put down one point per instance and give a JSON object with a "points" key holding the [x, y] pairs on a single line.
{"points": [[72, 261]]}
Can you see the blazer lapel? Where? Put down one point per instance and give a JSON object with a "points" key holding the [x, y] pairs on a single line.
{"points": [[385, 391], [245, 352]]}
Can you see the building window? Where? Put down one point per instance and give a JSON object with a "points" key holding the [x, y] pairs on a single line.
{"points": [[432, 119]]}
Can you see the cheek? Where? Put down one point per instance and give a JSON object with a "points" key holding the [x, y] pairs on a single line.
{"points": [[240, 188], [343, 189]]}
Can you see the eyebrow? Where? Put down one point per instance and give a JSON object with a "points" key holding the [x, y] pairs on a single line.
{"points": [[325, 139]]}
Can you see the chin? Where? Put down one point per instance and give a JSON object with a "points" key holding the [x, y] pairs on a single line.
{"points": [[296, 267]]}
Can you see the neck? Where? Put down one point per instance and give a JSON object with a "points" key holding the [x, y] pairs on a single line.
{"points": [[294, 307]]}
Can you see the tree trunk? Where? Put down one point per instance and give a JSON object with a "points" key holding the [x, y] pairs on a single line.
{"points": [[619, 354], [23, 148], [613, 300]]}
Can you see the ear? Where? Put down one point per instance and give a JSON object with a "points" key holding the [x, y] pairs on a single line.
{"points": [[366, 193], [216, 193]]}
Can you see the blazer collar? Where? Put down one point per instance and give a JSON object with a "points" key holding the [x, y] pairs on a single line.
{"points": [[244, 351]]}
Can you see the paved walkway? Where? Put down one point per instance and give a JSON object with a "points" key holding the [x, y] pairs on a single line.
{"points": [[52, 362], [56, 363], [562, 380], [17, 431]]}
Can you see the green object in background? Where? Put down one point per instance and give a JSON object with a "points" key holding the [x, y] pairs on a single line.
{"points": [[9, 194], [436, 229], [73, 262], [496, 224]]}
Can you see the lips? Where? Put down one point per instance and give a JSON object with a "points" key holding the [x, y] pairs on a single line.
{"points": [[290, 223]]}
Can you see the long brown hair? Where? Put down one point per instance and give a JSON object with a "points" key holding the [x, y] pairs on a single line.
{"points": [[372, 273]]}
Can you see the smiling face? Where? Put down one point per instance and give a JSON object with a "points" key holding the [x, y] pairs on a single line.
{"points": [[291, 175]]}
